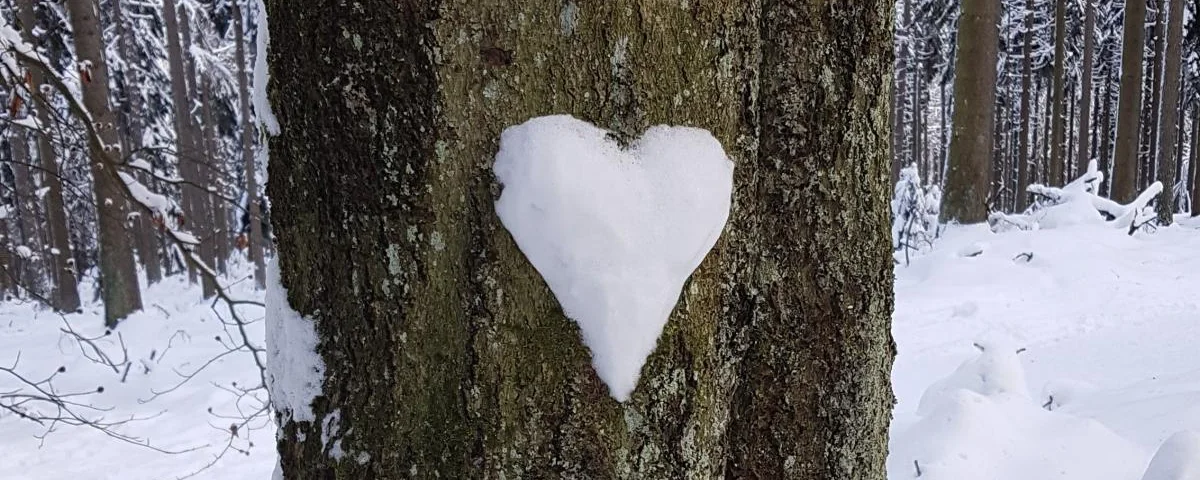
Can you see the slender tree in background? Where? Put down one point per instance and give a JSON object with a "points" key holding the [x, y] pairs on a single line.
{"points": [[120, 290], [1125, 159], [965, 199], [132, 138], [1169, 117], [1026, 106], [755, 376], [1085, 102], [66, 290], [1058, 117], [1152, 105], [1194, 162], [254, 240]]}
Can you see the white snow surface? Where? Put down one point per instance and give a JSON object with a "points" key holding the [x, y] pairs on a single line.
{"points": [[295, 371], [1108, 324], [1177, 459], [614, 232], [176, 334]]}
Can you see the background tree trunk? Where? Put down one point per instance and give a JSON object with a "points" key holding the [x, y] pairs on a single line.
{"points": [[1125, 160], [1194, 161], [1152, 108], [25, 269], [131, 138], [965, 200], [1085, 88], [445, 352], [1058, 118], [66, 290], [117, 270], [1026, 106], [1169, 112], [254, 243]]}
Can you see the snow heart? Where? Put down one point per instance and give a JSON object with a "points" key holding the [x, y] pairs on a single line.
{"points": [[614, 232]]}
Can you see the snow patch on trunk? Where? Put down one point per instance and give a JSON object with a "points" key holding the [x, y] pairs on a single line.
{"points": [[262, 75], [614, 232], [295, 371]]}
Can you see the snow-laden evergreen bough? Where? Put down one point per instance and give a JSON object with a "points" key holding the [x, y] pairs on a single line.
{"points": [[1079, 203], [915, 211], [614, 231]]}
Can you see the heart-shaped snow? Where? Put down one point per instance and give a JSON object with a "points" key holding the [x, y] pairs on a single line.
{"points": [[615, 233]]}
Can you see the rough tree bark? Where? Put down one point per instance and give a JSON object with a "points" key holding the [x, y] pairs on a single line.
{"points": [[117, 270], [967, 184], [1058, 117], [1169, 117], [254, 240], [445, 353], [1125, 159]]}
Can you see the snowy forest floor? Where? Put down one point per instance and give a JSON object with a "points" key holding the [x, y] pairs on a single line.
{"points": [[1109, 325]]}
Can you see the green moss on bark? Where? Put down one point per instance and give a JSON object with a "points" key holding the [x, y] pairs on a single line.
{"points": [[447, 355]]}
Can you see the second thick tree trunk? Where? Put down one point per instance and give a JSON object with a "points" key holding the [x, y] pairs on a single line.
{"points": [[967, 182], [1125, 159], [118, 272], [1169, 117]]}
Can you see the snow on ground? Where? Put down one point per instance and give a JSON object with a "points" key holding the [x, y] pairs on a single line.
{"points": [[1109, 327], [1105, 323], [176, 334]]}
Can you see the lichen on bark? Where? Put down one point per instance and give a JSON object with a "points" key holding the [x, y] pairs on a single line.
{"points": [[446, 353]]}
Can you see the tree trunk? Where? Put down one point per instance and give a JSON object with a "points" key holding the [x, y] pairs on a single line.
{"points": [[1106, 147], [1194, 161], [210, 220], [117, 270], [997, 160], [943, 145], [143, 229], [965, 200], [446, 355], [219, 218], [918, 157], [1085, 101], [1169, 117], [1068, 154], [254, 240], [1058, 158], [1155, 81], [24, 269], [186, 153], [1125, 159], [66, 290]]}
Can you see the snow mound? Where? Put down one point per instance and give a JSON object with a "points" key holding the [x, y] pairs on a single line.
{"points": [[1077, 203], [1177, 459], [979, 423], [996, 371], [614, 232], [295, 371]]}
